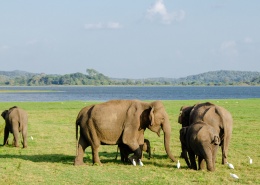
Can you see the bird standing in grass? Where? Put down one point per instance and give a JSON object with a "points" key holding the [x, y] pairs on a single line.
{"points": [[234, 176], [230, 165], [141, 163], [250, 160], [178, 164], [134, 163]]}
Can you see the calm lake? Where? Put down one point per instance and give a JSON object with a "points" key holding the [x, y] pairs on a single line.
{"points": [[101, 93]]}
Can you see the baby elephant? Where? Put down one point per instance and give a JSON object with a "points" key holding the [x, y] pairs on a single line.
{"points": [[15, 121], [125, 150], [202, 140]]}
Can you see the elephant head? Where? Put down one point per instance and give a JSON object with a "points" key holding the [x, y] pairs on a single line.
{"points": [[184, 115], [159, 120]]}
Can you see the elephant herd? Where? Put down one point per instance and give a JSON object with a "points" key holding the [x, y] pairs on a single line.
{"points": [[205, 126]]}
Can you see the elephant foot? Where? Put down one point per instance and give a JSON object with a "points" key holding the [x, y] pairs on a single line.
{"points": [[78, 162], [224, 161]]}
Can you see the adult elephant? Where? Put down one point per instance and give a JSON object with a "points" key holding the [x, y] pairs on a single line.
{"points": [[202, 140], [216, 116], [16, 121], [120, 121], [125, 150]]}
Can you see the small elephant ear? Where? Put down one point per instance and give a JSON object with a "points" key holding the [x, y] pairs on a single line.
{"points": [[151, 116]]}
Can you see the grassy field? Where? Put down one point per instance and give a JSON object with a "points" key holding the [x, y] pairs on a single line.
{"points": [[50, 154]]}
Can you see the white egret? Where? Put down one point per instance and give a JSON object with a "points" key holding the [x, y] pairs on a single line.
{"points": [[141, 163], [234, 176], [250, 160], [230, 165], [134, 163], [31, 138], [178, 164]]}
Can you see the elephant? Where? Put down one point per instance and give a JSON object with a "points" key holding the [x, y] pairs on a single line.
{"points": [[202, 140], [120, 122], [16, 121], [214, 115], [125, 150]]}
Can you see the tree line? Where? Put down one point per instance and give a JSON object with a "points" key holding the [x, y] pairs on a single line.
{"points": [[93, 77]]}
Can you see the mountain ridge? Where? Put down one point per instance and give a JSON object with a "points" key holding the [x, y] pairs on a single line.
{"points": [[219, 77]]}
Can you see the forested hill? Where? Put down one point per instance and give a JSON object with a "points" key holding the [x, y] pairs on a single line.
{"points": [[93, 77], [221, 78]]}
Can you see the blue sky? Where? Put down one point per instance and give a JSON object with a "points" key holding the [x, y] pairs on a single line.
{"points": [[130, 39]]}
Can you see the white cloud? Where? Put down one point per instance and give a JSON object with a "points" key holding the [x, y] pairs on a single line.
{"points": [[229, 48], [108, 25], [113, 25], [158, 10]]}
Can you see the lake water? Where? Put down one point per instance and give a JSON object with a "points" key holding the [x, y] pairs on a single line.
{"points": [[101, 93]]}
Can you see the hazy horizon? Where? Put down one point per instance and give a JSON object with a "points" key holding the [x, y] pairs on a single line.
{"points": [[128, 78]]}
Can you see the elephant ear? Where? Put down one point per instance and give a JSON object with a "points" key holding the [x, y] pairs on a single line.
{"points": [[211, 116], [151, 116], [4, 113]]}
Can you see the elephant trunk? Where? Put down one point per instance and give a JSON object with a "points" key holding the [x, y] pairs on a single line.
{"points": [[167, 136]]}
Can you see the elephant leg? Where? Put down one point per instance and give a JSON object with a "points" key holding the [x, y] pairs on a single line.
{"points": [[124, 153], [6, 134], [117, 152], [192, 160], [137, 155], [16, 136], [185, 156], [224, 148], [183, 150], [201, 163], [82, 145], [143, 148], [24, 133], [95, 155]]}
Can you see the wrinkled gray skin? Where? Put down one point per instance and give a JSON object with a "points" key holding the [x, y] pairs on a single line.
{"points": [[202, 140], [16, 121], [125, 150], [214, 115], [120, 121]]}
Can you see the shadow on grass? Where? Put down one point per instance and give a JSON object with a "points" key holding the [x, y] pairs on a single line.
{"points": [[53, 158], [61, 158], [105, 157]]}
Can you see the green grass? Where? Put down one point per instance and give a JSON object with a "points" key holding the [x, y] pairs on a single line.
{"points": [[50, 155]]}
